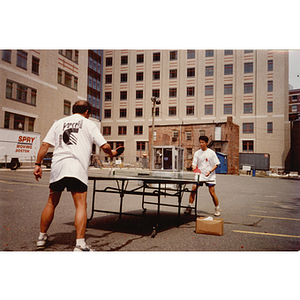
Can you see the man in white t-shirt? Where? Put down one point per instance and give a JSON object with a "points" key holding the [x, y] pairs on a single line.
{"points": [[72, 138], [205, 162]]}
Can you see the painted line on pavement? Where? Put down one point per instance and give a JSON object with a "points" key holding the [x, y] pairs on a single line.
{"points": [[271, 234], [24, 183], [280, 218]]}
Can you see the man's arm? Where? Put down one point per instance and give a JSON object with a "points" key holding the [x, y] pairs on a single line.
{"points": [[41, 154], [213, 168], [107, 149]]}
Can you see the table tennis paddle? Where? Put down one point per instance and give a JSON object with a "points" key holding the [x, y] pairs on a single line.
{"points": [[197, 171], [120, 150]]}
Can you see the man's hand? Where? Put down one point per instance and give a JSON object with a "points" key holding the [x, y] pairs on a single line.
{"points": [[37, 172]]}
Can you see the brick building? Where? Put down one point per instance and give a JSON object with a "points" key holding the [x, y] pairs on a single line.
{"points": [[294, 104], [223, 137]]}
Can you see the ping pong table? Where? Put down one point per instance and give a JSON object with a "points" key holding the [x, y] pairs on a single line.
{"points": [[147, 184]]}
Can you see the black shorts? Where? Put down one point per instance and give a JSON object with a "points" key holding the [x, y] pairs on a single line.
{"points": [[72, 184], [206, 183]]}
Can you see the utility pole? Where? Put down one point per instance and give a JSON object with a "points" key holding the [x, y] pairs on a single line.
{"points": [[154, 102]]}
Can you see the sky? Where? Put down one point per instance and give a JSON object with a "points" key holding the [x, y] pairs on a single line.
{"points": [[294, 68]]}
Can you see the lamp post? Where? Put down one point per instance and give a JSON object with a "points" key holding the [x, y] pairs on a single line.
{"points": [[154, 102]]}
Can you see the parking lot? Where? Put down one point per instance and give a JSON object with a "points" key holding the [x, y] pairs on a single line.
{"points": [[260, 214]]}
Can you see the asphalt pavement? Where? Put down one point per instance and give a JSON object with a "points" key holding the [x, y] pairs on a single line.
{"points": [[259, 213]]}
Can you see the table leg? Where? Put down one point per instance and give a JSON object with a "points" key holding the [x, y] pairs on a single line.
{"points": [[121, 198], [154, 231], [93, 202]]}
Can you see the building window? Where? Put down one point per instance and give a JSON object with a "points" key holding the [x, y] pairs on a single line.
{"points": [[122, 130], [140, 146], [209, 90], [106, 130], [172, 111], [248, 51], [67, 107], [68, 79], [22, 59], [172, 92], [190, 110], [190, 54], [248, 108], [248, 128], [123, 77], [6, 119], [173, 55], [173, 74], [6, 55], [191, 72], [270, 65], [19, 122], [35, 65], [107, 113], [156, 111], [294, 97], [140, 58], [209, 71], [123, 95], [21, 93], [59, 76], [270, 106], [209, 53], [228, 52], [227, 109], [75, 83], [156, 75], [248, 146], [33, 97], [228, 69], [138, 130], [188, 135], [107, 96], [108, 61], [294, 108], [248, 67], [76, 59], [139, 94], [175, 134], [108, 78], [248, 87], [156, 56], [139, 76], [139, 112], [124, 60], [9, 89], [155, 93], [270, 127], [190, 91], [201, 132], [227, 89], [30, 124], [69, 54], [270, 86], [123, 112], [208, 109]]}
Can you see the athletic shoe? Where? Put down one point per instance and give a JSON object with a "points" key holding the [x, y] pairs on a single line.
{"points": [[41, 243], [87, 248], [188, 210], [217, 211]]}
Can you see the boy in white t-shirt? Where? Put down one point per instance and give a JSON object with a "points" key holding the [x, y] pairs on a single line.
{"points": [[205, 161], [72, 138]]}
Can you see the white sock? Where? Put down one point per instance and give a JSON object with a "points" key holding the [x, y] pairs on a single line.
{"points": [[218, 206], [81, 243], [42, 235]]}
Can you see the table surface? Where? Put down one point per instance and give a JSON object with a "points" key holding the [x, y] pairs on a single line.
{"points": [[148, 176]]}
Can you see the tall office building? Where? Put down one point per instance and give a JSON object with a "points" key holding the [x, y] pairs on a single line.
{"points": [[197, 86], [40, 86]]}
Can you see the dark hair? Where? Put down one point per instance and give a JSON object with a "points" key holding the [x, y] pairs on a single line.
{"points": [[203, 138], [81, 107]]}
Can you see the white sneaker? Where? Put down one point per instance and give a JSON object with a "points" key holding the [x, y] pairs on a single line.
{"points": [[41, 243], [217, 211], [79, 248]]}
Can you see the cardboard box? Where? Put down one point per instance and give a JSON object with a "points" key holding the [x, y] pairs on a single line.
{"points": [[214, 226]]}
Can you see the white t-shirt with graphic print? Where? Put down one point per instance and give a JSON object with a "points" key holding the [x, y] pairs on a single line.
{"points": [[72, 138], [206, 160]]}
